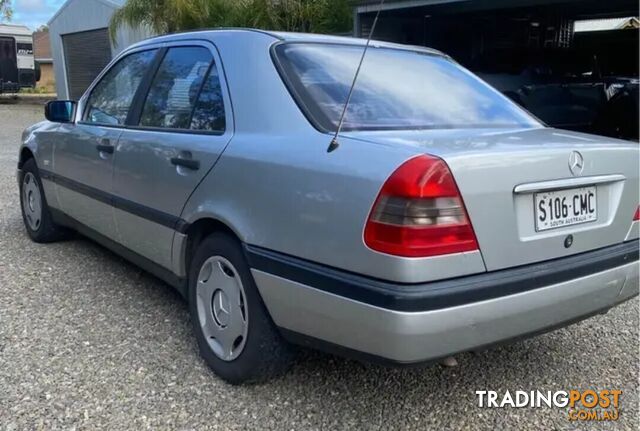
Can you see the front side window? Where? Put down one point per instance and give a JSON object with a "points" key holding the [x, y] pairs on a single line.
{"points": [[396, 89], [111, 99], [176, 88]]}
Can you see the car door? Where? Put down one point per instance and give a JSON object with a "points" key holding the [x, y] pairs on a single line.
{"points": [[83, 153], [180, 130]]}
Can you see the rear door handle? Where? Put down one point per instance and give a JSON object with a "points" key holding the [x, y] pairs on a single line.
{"points": [[105, 146], [194, 165]]}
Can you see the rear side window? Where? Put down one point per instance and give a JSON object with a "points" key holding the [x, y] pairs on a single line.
{"points": [[185, 92], [209, 111], [110, 100]]}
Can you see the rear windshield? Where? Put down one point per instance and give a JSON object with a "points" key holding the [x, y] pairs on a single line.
{"points": [[396, 89]]}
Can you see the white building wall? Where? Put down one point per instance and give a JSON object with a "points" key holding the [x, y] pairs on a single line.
{"points": [[82, 15]]}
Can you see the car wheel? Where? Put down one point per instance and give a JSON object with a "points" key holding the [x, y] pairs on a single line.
{"points": [[235, 334], [35, 211]]}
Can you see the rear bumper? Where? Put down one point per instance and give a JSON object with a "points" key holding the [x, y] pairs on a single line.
{"points": [[381, 320]]}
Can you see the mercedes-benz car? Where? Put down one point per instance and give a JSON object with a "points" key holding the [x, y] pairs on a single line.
{"points": [[442, 218]]}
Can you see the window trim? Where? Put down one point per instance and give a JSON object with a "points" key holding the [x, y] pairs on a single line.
{"points": [[204, 84], [175, 130], [142, 92], [133, 123], [292, 89], [84, 100], [222, 76], [224, 86]]}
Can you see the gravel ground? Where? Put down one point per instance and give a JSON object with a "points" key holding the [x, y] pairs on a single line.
{"points": [[88, 341]]}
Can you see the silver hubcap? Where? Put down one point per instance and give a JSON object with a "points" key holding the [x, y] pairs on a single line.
{"points": [[222, 310], [31, 201]]}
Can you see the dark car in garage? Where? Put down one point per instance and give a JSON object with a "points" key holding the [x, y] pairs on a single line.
{"points": [[565, 88]]}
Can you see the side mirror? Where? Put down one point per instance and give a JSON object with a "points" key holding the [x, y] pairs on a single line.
{"points": [[60, 111]]}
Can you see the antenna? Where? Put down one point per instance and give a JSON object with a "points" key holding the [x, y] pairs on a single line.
{"points": [[334, 142]]}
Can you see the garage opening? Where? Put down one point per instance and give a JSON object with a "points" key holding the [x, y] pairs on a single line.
{"points": [[571, 78], [86, 54]]}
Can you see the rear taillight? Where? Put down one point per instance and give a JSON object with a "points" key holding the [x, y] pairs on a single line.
{"points": [[636, 216], [419, 212]]}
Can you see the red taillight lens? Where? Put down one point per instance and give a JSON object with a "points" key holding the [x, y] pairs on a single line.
{"points": [[636, 216], [420, 213]]}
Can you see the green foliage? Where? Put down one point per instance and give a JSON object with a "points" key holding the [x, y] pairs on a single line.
{"points": [[36, 90], [6, 11], [167, 16]]}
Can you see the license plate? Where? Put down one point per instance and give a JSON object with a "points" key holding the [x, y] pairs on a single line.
{"points": [[562, 208]]}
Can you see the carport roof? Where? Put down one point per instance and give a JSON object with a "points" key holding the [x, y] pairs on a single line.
{"points": [[609, 8]]}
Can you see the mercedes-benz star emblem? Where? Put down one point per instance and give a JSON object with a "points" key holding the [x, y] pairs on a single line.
{"points": [[576, 163], [220, 308]]}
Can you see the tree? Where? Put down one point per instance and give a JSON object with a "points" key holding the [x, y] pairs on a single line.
{"points": [[6, 11], [168, 16]]}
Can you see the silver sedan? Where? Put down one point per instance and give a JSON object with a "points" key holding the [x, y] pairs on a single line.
{"points": [[443, 218]]}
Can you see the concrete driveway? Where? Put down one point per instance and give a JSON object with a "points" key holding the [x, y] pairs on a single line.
{"points": [[88, 341]]}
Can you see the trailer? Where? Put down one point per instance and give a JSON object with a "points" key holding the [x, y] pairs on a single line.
{"points": [[18, 68]]}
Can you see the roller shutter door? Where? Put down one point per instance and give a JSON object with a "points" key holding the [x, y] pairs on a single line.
{"points": [[85, 54]]}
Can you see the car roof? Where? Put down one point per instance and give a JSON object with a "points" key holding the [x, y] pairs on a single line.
{"points": [[288, 37]]}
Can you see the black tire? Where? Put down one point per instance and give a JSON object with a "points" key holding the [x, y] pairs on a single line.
{"points": [[46, 230], [265, 354]]}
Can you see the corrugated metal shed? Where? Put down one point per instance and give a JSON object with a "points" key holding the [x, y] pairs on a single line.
{"points": [[76, 16]]}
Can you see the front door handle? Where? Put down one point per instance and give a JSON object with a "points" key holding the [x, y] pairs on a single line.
{"points": [[194, 165], [105, 146]]}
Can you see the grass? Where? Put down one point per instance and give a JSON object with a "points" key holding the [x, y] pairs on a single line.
{"points": [[37, 90]]}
